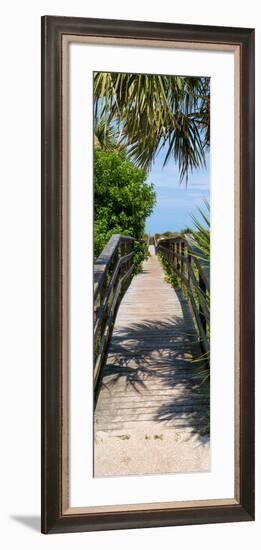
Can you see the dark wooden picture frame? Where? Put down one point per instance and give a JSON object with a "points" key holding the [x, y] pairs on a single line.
{"points": [[57, 517]]}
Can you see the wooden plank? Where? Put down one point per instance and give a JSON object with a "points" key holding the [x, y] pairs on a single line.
{"points": [[149, 382]]}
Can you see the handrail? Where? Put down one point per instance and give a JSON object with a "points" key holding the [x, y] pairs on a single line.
{"points": [[186, 262], [106, 259], [112, 274]]}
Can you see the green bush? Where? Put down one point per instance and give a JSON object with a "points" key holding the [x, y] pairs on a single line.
{"points": [[122, 200]]}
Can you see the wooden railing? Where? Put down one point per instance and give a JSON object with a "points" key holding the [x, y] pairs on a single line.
{"points": [[185, 262], [112, 274]]}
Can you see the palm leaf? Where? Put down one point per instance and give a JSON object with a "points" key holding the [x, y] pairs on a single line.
{"points": [[153, 109]]}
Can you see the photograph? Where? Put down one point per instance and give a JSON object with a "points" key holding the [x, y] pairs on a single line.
{"points": [[151, 242], [147, 225]]}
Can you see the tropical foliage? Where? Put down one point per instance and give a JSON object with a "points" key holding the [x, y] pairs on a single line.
{"points": [[201, 231], [106, 136], [152, 111], [122, 200], [201, 238]]}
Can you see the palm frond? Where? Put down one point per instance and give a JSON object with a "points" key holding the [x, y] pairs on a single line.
{"points": [[152, 110]]}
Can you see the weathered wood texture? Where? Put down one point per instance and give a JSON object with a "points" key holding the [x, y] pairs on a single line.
{"points": [[150, 396], [112, 274]]}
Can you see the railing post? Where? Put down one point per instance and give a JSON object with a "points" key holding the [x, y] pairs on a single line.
{"points": [[173, 256], [178, 252], [202, 287], [189, 266], [173, 248], [182, 265]]}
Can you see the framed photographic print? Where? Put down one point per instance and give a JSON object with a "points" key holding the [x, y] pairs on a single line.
{"points": [[147, 274]]}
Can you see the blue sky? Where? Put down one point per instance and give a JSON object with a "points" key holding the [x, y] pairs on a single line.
{"points": [[175, 201]]}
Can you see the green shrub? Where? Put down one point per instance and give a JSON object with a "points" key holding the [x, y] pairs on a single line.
{"points": [[122, 201]]}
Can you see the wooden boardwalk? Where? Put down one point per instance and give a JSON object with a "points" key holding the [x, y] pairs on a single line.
{"points": [[150, 406]]}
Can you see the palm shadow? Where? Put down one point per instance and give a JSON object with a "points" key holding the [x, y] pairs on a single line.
{"points": [[163, 351]]}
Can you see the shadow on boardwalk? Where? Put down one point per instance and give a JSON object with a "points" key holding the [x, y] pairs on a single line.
{"points": [[151, 357]]}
